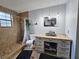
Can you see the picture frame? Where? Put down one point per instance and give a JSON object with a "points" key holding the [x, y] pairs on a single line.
{"points": [[49, 22]]}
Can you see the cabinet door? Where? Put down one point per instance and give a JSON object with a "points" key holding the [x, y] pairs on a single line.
{"points": [[64, 49], [40, 45]]}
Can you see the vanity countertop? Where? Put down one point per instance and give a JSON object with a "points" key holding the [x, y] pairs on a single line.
{"points": [[58, 37]]}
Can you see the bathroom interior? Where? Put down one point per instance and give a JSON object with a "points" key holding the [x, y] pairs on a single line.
{"points": [[47, 31]]}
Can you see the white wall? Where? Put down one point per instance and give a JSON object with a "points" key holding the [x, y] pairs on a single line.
{"points": [[54, 11], [71, 22]]}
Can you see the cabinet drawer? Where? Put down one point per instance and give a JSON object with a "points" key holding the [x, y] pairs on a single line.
{"points": [[65, 42], [62, 54], [38, 42]]}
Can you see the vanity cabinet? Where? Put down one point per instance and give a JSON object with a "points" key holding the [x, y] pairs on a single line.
{"points": [[59, 46]]}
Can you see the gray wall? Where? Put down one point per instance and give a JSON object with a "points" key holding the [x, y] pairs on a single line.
{"points": [[54, 11], [71, 22]]}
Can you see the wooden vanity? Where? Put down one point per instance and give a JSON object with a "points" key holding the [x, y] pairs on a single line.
{"points": [[59, 45]]}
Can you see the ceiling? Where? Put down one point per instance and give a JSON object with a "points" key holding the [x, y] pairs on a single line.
{"points": [[28, 5]]}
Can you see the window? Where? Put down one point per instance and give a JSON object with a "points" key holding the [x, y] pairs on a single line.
{"points": [[5, 20]]}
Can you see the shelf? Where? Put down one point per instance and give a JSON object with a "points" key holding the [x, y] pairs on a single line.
{"points": [[50, 54], [50, 49]]}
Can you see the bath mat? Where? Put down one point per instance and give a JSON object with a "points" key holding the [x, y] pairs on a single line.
{"points": [[25, 54]]}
